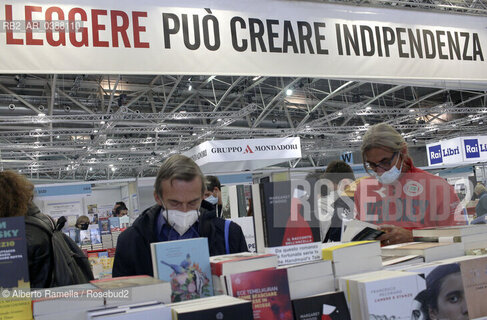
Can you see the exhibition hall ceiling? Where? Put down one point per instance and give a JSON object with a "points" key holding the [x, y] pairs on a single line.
{"points": [[96, 127]]}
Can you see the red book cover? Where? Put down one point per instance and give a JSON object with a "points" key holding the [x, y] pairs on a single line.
{"points": [[111, 252], [268, 290]]}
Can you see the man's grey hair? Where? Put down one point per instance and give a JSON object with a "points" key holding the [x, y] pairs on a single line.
{"points": [[178, 167]]}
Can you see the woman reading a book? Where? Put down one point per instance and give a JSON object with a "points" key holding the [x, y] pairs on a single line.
{"points": [[398, 196]]}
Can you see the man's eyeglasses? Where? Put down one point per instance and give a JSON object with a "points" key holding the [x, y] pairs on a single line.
{"points": [[385, 164]]}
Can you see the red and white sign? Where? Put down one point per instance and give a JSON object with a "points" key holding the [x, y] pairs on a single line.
{"points": [[242, 154], [247, 37]]}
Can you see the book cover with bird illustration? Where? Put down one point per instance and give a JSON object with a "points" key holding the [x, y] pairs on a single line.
{"points": [[186, 265]]}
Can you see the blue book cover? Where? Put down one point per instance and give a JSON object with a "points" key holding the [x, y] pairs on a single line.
{"points": [[114, 223], [74, 234], [104, 226], [14, 269], [14, 266], [186, 265], [95, 236]]}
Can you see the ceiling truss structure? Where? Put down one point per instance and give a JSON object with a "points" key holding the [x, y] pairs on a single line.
{"points": [[91, 127]]}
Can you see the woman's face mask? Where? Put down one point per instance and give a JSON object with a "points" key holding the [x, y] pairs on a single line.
{"points": [[83, 226], [390, 175]]}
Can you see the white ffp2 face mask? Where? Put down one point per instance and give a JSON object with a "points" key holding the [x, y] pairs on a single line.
{"points": [[181, 221], [390, 175], [212, 199]]}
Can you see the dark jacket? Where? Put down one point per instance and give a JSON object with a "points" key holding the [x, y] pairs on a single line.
{"points": [[481, 208], [133, 254], [210, 207], [39, 253]]}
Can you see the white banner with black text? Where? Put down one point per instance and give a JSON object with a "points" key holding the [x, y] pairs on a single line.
{"points": [[247, 37]]}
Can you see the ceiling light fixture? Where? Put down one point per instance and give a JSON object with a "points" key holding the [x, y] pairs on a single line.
{"points": [[289, 92], [41, 115]]}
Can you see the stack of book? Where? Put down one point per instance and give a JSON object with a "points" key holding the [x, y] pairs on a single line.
{"points": [[397, 262], [57, 303], [306, 279], [95, 239], [138, 311], [225, 265], [85, 239], [134, 289], [430, 251], [382, 294], [106, 241], [353, 257], [101, 263], [471, 236], [220, 307], [115, 230]]}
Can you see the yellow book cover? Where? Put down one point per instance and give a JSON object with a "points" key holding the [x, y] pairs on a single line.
{"points": [[328, 250]]}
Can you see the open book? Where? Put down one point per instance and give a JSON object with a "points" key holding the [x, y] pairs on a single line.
{"points": [[356, 230]]}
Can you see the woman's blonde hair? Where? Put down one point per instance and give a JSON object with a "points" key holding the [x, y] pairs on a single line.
{"points": [[16, 193], [479, 189], [382, 136]]}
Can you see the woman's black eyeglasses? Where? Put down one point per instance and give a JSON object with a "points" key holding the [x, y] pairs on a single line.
{"points": [[385, 164]]}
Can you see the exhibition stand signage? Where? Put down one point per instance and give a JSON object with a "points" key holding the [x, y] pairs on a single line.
{"points": [[457, 151], [244, 154], [248, 37], [61, 190]]}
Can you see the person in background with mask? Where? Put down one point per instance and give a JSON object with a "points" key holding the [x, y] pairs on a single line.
{"points": [[179, 190], [213, 195], [399, 196], [82, 223]]}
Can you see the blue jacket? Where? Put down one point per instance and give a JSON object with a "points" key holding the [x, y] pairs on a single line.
{"points": [[133, 254]]}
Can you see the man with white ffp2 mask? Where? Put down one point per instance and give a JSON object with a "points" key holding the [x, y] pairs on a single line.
{"points": [[398, 196], [178, 214]]}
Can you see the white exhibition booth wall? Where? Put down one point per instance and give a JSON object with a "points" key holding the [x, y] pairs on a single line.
{"points": [[86, 198]]}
